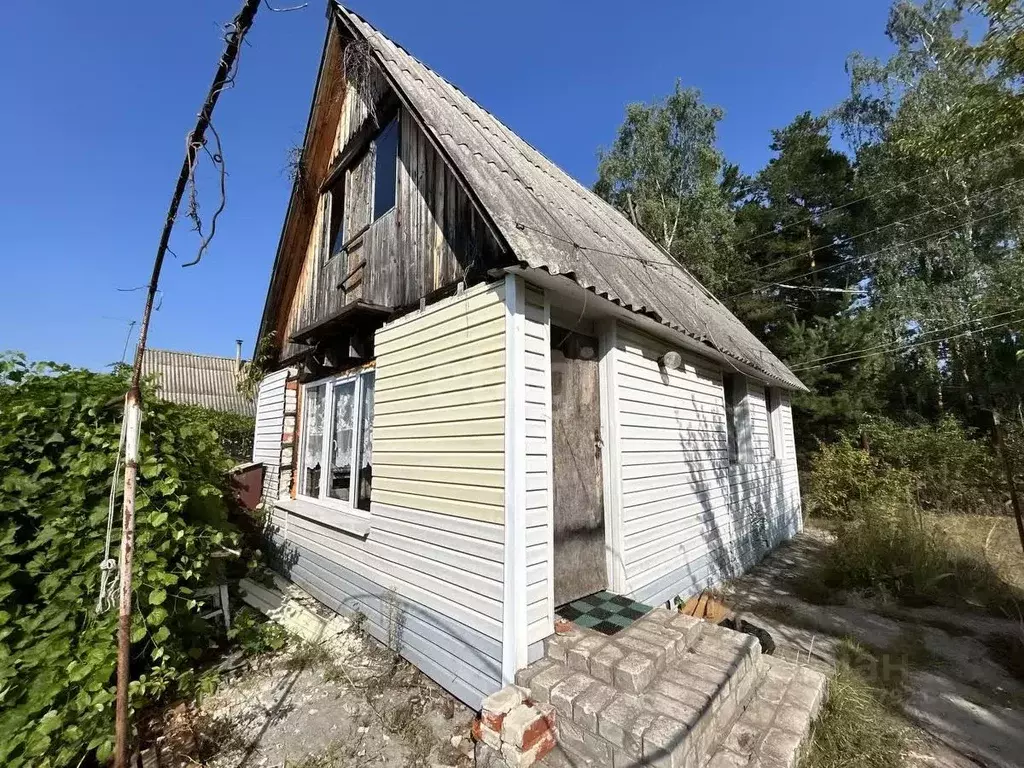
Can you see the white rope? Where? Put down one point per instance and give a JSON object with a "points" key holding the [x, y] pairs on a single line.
{"points": [[109, 577]]}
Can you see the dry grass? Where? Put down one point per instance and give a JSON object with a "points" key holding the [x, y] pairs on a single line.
{"points": [[990, 539], [859, 726]]}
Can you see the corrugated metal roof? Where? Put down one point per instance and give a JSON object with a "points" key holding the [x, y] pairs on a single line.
{"points": [[552, 222], [183, 377]]}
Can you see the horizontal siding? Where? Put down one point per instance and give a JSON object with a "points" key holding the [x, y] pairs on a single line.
{"points": [[439, 408], [445, 574], [269, 418], [689, 518]]}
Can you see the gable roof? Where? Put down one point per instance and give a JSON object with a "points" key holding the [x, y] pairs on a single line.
{"points": [[552, 222], [189, 379]]}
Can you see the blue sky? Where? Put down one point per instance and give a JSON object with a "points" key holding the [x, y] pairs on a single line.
{"points": [[98, 98]]}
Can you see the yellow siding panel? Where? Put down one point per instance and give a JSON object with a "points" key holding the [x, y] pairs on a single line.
{"points": [[439, 410]]}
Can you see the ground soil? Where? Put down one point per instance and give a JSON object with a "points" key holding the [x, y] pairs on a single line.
{"points": [[962, 702], [304, 708]]}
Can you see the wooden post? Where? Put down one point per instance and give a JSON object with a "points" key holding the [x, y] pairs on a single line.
{"points": [[1008, 471], [133, 403]]}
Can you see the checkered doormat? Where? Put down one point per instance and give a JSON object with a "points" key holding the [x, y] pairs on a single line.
{"points": [[604, 612]]}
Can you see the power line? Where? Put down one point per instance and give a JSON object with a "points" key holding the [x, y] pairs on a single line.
{"points": [[807, 363], [880, 250], [851, 238], [901, 347], [872, 196]]}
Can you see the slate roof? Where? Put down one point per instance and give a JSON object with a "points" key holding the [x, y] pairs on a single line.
{"points": [[183, 377], [554, 223]]}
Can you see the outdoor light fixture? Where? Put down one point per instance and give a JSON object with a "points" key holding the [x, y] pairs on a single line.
{"points": [[671, 360]]}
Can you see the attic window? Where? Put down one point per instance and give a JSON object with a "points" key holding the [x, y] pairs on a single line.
{"points": [[385, 171], [335, 214]]}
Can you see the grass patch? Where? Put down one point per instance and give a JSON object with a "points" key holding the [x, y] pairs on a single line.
{"points": [[859, 726], [894, 549], [990, 539]]}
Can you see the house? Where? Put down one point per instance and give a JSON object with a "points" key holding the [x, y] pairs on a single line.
{"points": [[190, 379], [493, 395]]}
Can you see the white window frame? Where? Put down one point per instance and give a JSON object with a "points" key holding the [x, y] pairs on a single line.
{"points": [[359, 376], [772, 403]]}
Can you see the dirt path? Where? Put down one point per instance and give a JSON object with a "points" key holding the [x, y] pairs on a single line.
{"points": [[964, 707]]}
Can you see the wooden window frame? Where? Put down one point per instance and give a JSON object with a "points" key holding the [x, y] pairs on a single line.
{"points": [[771, 406], [734, 387], [359, 376]]}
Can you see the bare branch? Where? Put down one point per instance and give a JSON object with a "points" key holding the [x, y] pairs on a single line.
{"points": [[284, 10]]}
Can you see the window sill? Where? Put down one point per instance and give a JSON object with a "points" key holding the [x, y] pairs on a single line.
{"points": [[357, 524]]}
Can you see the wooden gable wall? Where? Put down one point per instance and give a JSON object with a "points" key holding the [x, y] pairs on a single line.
{"points": [[432, 238]]}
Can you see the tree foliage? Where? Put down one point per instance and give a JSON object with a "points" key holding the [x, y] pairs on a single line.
{"points": [[878, 250], [59, 434]]}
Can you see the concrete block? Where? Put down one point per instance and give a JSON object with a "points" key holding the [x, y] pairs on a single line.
{"points": [[505, 700], [634, 672], [603, 663], [587, 706], [690, 626], [579, 655], [744, 738], [565, 693]]}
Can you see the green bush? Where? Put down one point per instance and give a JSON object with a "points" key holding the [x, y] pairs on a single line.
{"points": [[954, 469], [59, 431], [234, 430], [843, 478]]}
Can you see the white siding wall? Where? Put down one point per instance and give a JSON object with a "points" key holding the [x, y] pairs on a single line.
{"points": [[266, 445], [436, 539], [688, 518]]}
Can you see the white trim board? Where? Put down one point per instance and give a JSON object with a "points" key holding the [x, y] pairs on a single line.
{"points": [[611, 456], [514, 628]]}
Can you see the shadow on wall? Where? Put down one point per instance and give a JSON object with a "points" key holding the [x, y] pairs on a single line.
{"points": [[714, 519]]}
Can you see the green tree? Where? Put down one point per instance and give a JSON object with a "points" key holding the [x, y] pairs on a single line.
{"points": [[665, 174]]}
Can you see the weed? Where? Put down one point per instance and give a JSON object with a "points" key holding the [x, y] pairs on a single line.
{"points": [[253, 634], [307, 655], [859, 725]]}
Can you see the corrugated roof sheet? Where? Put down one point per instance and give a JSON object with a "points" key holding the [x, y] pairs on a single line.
{"points": [[183, 377], [552, 222]]}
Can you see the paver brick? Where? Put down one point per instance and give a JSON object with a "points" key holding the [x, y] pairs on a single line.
{"points": [[504, 701], [681, 675], [792, 718], [639, 645], [541, 685], [579, 655], [690, 626], [781, 747], [634, 672], [725, 758], [664, 743], [568, 690], [526, 674], [587, 706], [671, 708], [602, 663], [614, 721], [688, 696]]}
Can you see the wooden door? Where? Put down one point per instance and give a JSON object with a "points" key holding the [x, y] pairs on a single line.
{"points": [[578, 497]]}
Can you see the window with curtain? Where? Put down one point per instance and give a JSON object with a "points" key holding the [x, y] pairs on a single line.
{"points": [[337, 454]]}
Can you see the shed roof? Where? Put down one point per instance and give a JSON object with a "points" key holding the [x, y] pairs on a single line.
{"points": [[190, 379], [552, 222]]}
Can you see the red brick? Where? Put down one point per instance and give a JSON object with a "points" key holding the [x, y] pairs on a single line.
{"points": [[544, 745], [562, 626], [492, 720], [536, 731], [475, 730]]}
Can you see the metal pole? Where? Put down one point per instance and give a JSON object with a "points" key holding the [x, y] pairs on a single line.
{"points": [[1008, 471], [133, 403]]}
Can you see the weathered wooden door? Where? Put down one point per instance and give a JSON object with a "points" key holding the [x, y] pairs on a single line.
{"points": [[578, 498]]}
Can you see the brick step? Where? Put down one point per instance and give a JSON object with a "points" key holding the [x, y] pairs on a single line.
{"points": [[775, 725], [667, 695]]}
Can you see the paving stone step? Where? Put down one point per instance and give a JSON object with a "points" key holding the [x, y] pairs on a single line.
{"points": [[667, 693], [774, 727]]}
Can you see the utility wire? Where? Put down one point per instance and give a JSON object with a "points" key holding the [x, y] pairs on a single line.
{"points": [[846, 240], [861, 258], [901, 347], [807, 363], [872, 196]]}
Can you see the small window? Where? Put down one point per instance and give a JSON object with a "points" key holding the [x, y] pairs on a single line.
{"points": [[731, 425], [336, 218], [771, 404], [340, 443], [385, 172]]}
